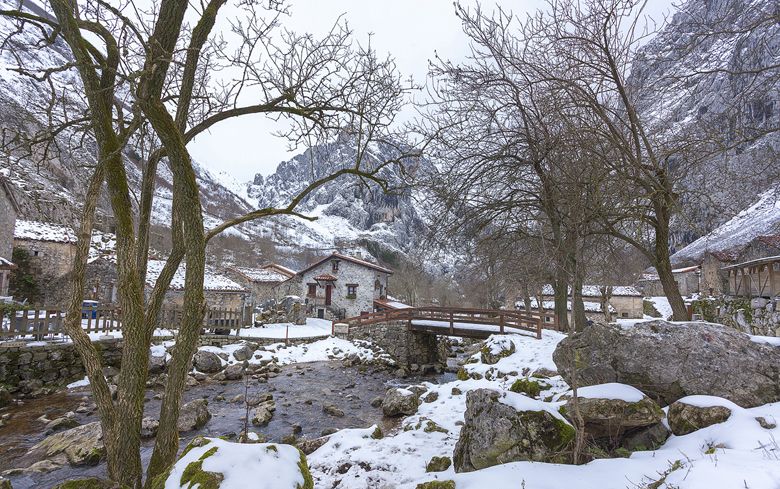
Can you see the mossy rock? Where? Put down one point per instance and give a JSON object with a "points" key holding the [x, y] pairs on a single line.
{"points": [[685, 418], [436, 485], [431, 427], [377, 433], [438, 464], [529, 387], [462, 374]]}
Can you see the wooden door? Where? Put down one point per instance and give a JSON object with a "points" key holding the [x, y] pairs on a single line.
{"points": [[328, 294]]}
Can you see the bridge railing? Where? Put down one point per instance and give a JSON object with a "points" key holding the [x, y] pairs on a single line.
{"points": [[458, 321]]}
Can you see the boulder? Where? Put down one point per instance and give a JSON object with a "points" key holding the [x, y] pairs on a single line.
{"points": [[263, 413], [668, 361], [234, 372], [156, 364], [65, 422], [5, 397], [244, 352], [611, 410], [193, 415], [277, 466], [438, 464], [398, 402], [650, 438], [332, 410], [82, 445], [90, 483], [5, 483], [149, 427], [207, 362], [497, 432], [496, 348], [685, 417]]}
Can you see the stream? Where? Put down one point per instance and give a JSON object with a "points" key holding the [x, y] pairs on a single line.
{"points": [[300, 392]]}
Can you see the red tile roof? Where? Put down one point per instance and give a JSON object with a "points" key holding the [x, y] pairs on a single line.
{"points": [[325, 277]]}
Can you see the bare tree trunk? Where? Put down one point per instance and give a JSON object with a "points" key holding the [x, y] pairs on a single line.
{"points": [[663, 264]]}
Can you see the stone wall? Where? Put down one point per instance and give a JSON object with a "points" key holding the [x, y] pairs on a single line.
{"points": [[757, 316], [27, 370], [406, 347], [7, 223]]}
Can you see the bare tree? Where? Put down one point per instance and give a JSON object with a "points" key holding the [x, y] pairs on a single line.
{"points": [[148, 84]]}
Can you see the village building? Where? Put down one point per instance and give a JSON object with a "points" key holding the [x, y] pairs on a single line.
{"points": [[263, 284], [593, 311], [51, 250], [9, 209], [340, 286], [759, 278], [686, 278], [625, 300]]}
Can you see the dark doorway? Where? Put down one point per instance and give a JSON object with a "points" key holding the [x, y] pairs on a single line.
{"points": [[321, 313]]}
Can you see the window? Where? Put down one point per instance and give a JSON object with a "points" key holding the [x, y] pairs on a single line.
{"points": [[335, 265], [625, 314], [547, 319], [312, 290], [351, 291], [36, 253]]}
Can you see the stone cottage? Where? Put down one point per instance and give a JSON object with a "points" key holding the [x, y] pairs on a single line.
{"points": [[51, 249], [9, 209], [262, 283], [686, 278], [593, 311], [626, 301], [340, 286]]}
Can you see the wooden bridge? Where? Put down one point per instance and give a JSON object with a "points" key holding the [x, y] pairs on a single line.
{"points": [[462, 322]]}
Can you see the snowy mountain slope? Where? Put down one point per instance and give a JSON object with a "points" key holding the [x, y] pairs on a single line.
{"points": [[49, 187], [349, 212], [694, 74], [760, 219]]}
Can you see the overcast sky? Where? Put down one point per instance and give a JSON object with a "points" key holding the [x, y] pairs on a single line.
{"points": [[411, 30]]}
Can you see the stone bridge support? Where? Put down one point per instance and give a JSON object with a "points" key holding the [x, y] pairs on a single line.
{"points": [[410, 349]]}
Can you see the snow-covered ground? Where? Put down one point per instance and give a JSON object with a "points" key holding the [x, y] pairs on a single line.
{"points": [[661, 305], [736, 454], [313, 327]]}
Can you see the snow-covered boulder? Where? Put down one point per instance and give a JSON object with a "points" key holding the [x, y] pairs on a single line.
{"points": [[611, 410], [218, 464], [501, 428], [495, 348], [668, 361], [399, 402], [207, 362], [193, 415], [693, 413]]}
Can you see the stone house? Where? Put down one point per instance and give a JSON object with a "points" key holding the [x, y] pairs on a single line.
{"points": [[687, 279], [9, 209], [263, 284], [593, 311], [626, 301], [52, 248], [340, 286]]}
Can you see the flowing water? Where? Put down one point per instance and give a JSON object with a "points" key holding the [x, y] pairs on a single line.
{"points": [[300, 392]]}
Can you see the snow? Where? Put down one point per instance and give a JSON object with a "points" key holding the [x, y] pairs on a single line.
{"points": [[760, 219], [595, 290], [211, 281], [611, 390], [662, 305], [102, 244], [261, 274], [256, 465], [550, 305], [748, 457], [314, 327], [768, 340], [79, 383], [709, 401], [471, 326]]}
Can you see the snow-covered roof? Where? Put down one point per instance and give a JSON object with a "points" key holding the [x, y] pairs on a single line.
{"points": [[550, 306], [281, 269], [595, 291], [261, 274], [44, 231], [6, 263], [358, 261], [761, 219], [391, 303], [102, 245], [686, 269], [212, 279]]}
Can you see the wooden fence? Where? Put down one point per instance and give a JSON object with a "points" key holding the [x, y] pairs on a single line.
{"points": [[457, 321], [44, 322]]}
